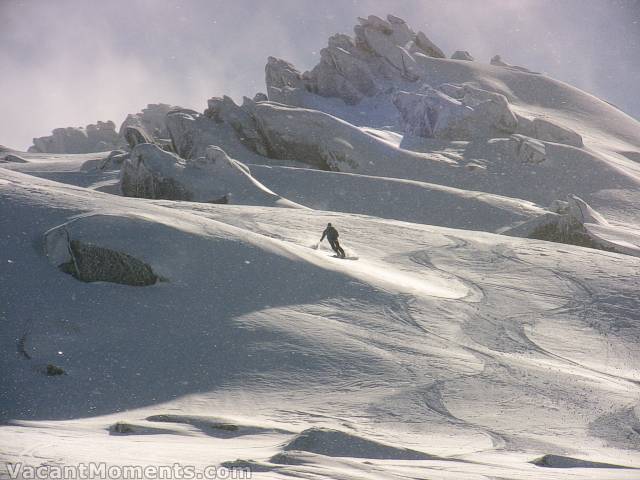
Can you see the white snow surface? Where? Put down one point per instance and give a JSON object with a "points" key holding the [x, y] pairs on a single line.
{"points": [[439, 348]]}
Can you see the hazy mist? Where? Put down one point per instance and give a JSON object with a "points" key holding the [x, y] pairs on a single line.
{"points": [[73, 62]]}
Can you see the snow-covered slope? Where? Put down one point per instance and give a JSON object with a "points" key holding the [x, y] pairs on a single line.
{"points": [[472, 349], [453, 342]]}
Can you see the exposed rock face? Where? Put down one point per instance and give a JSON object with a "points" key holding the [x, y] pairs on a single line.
{"points": [[308, 136], [382, 53], [154, 173], [150, 121], [100, 137], [282, 79], [135, 136], [462, 55], [477, 113], [464, 112], [93, 263], [191, 132], [225, 110]]}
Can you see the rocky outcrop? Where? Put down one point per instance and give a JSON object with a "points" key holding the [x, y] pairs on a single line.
{"points": [[154, 173], [99, 137], [574, 222], [548, 131], [191, 134], [474, 113], [462, 55], [382, 53], [151, 120], [284, 82], [135, 136], [94, 263], [527, 150], [309, 136], [225, 110]]}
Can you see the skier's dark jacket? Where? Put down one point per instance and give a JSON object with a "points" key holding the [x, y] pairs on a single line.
{"points": [[331, 233]]}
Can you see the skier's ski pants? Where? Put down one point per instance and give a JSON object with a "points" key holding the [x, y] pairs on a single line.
{"points": [[335, 245]]}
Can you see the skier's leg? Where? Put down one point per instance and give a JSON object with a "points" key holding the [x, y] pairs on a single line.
{"points": [[334, 247], [339, 250]]}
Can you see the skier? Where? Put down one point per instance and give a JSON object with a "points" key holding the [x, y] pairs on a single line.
{"points": [[332, 235]]}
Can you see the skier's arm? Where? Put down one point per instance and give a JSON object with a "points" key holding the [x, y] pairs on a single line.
{"points": [[324, 234]]}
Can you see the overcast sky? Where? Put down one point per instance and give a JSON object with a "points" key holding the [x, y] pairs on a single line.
{"points": [[73, 62]]}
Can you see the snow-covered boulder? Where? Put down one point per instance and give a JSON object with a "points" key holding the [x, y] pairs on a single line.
{"points": [[150, 120], [477, 113], [431, 113], [89, 262], [225, 110], [574, 222], [549, 131], [191, 134], [151, 172], [98, 137], [462, 55]]}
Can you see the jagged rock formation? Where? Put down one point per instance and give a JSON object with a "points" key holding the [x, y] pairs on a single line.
{"points": [[151, 172], [462, 55], [98, 137], [150, 125], [93, 263], [191, 132], [225, 110], [464, 112], [382, 52], [474, 113]]}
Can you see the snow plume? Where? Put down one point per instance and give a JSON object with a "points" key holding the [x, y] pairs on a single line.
{"points": [[70, 62]]}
